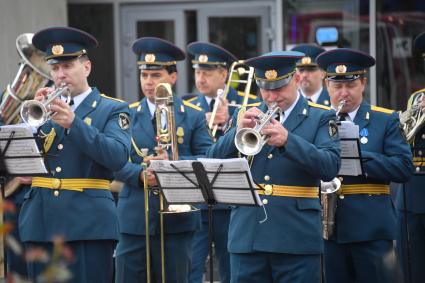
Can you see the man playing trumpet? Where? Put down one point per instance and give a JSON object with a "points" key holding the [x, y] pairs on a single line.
{"points": [[282, 242]]}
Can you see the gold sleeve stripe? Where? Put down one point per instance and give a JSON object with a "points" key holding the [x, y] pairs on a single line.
{"points": [[312, 104], [113, 98], [381, 109]]}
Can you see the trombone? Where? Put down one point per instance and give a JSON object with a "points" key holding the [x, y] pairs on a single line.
{"points": [[239, 68]]}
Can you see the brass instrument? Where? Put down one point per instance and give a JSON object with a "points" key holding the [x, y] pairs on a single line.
{"points": [[240, 69], [35, 113], [329, 196], [250, 141], [33, 73], [328, 200], [413, 118]]}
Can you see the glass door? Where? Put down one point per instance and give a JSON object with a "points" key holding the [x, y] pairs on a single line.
{"points": [[140, 21]]}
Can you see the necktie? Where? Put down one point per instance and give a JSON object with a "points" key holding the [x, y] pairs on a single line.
{"points": [[342, 116], [154, 123], [309, 99], [212, 104]]}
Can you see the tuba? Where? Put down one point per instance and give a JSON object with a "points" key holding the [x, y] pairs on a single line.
{"points": [[250, 141], [413, 118], [33, 73], [240, 69]]}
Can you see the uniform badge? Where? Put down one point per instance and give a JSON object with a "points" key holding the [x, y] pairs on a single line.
{"points": [[364, 133], [150, 58], [87, 120], [124, 121], [180, 135], [341, 69], [271, 74], [48, 140], [306, 60], [57, 49], [203, 58], [326, 102], [333, 129]]}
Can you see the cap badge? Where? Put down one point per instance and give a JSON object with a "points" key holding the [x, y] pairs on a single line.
{"points": [[340, 69], [271, 74], [150, 58], [57, 49], [203, 58], [306, 60]]}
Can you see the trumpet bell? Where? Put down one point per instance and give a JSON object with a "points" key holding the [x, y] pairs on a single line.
{"points": [[330, 187], [248, 141], [34, 113]]}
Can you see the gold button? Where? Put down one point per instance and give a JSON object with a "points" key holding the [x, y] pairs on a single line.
{"points": [[420, 152], [267, 178], [265, 201], [418, 169], [423, 136], [341, 196], [155, 192], [60, 146], [268, 190], [58, 169], [56, 193], [56, 183], [270, 156]]}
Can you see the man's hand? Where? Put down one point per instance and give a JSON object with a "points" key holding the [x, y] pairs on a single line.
{"points": [[64, 115], [42, 93], [249, 118], [161, 155], [276, 132], [222, 114]]}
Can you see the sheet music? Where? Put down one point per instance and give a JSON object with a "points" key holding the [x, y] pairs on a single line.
{"points": [[349, 148], [235, 185], [21, 148]]}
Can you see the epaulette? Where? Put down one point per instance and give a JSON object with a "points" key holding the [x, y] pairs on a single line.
{"points": [[188, 104], [381, 109], [251, 96], [113, 98], [255, 104], [191, 99], [135, 104], [412, 97], [312, 104]]}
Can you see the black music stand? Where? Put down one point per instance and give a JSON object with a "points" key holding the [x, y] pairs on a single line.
{"points": [[6, 172], [210, 194]]}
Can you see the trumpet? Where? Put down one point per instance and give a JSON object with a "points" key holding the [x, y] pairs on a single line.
{"points": [[250, 141], [35, 113], [340, 106]]}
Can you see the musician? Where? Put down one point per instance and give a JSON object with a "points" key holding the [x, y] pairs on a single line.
{"points": [[85, 143], [361, 249], [414, 204], [311, 83], [282, 242], [157, 63], [211, 64]]}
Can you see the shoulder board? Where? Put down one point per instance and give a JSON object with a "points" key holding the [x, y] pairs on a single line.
{"points": [[188, 104], [255, 104], [381, 109], [113, 98], [312, 104], [191, 99], [135, 104], [251, 96]]}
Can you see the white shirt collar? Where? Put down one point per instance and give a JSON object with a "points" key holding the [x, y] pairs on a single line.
{"points": [[152, 107], [288, 111], [208, 99], [315, 96], [79, 98]]}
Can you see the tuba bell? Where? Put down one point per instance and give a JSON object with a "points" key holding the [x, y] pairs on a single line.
{"points": [[250, 141], [413, 118], [33, 73]]}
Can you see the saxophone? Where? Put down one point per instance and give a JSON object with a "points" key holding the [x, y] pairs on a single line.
{"points": [[413, 118], [328, 191]]}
